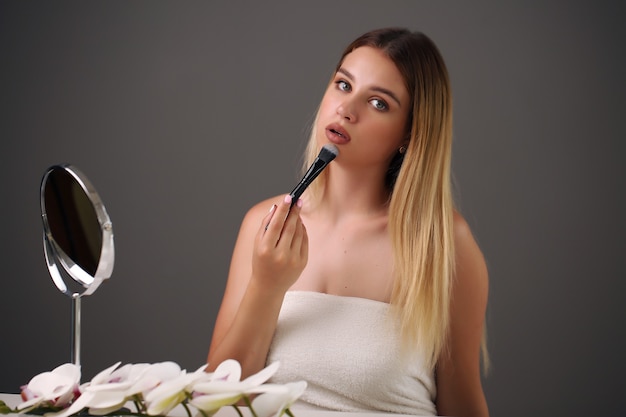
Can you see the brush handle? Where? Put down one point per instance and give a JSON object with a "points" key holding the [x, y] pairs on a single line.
{"points": [[327, 154], [314, 170]]}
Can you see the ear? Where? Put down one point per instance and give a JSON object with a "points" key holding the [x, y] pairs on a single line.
{"points": [[405, 142]]}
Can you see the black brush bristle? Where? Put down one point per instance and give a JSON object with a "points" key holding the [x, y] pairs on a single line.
{"points": [[328, 152]]}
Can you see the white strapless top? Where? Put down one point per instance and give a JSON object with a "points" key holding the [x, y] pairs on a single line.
{"points": [[347, 350]]}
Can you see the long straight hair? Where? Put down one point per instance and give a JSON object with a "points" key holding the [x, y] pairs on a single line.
{"points": [[421, 204]]}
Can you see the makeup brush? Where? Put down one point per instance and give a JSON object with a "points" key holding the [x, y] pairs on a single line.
{"points": [[327, 154]]}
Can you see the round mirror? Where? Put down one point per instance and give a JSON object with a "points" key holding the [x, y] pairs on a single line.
{"points": [[78, 238], [78, 234]]}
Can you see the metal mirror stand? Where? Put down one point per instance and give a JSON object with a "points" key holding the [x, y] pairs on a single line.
{"points": [[77, 239]]}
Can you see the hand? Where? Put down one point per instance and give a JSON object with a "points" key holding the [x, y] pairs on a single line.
{"points": [[281, 247]]}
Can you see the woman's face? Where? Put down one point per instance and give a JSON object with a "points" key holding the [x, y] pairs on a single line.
{"points": [[365, 109]]}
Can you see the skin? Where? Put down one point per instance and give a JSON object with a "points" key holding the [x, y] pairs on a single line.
{"points": [[345, 248]]}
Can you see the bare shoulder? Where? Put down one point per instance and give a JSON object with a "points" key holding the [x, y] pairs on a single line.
{"points": [[471, 278], [257, 212], [459, 390], [250, 225], [241, 261], [462, 231], [262, 207], [470, 261]]}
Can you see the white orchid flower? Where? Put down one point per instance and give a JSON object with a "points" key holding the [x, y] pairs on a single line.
{"points": [[76, 407], [153, 375], [112, 388], [274, 403], [162, 399], [157, 389], [56, 388], [224, 387], [109, 390], [111, 395]]}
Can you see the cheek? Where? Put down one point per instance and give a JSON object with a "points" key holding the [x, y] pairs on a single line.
{"points": [[391, 131], [327, 105]]}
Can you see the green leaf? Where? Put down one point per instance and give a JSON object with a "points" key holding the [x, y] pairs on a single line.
{"points": [[41, 410], [5, 409]]}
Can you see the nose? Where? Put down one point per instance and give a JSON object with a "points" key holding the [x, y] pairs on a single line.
{"points": [[346, 110]]}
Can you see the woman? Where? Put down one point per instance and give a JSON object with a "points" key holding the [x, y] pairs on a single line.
{"points": [[379, 302]]}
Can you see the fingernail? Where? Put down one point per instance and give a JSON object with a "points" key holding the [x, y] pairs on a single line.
{"points": [[287, 199], [273, 208], [299, 203]]}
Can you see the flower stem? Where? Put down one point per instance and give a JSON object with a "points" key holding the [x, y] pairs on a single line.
{"points": [[186, 407], [249, 404], [237, 410], [139, 405]]}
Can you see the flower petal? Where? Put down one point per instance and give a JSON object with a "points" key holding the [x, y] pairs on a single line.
{"points": [[68, 370], [211, 403], [272, 388], [103, 376], [113, 386], [78, 405], [270, 404], [229, 370], [106, 399], [220, 384], [273, 404], [263, 375], [49, 385], [165, 404], [154, 375], [168, 394]]}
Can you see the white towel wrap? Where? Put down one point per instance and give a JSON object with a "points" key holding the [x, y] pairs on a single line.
{"points": [[348, 352]]}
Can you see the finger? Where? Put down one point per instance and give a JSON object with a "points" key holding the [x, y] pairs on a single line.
{"points": [[290, 227], [268, 218], [273, 229], [297, 235]]}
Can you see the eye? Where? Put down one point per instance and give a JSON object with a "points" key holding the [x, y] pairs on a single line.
{"points": [[379, 104], [343, 85]]}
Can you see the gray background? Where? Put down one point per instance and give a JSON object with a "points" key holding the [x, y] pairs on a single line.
{"points": [[184, 114]]}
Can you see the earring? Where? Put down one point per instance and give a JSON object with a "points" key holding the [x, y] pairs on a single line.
{"points": [[402, 149]]}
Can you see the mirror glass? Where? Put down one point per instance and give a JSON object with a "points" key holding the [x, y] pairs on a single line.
{"points": [[77, 238]]}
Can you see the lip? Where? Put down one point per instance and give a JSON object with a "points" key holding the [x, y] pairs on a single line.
{"points": [[337, 134]]}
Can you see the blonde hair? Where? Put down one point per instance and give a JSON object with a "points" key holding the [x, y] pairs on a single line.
{"points": [[421, 204]]}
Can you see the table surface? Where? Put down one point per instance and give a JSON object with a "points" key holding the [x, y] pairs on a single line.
{"points": [[13, 400]]}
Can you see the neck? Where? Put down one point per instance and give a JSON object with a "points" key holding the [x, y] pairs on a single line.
{"points": [[353, 193]]}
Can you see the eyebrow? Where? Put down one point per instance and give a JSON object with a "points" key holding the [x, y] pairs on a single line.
{"points": [[374, 88]]}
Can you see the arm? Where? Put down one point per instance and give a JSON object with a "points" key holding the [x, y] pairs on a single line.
{"points": [[265, 263], [459, 388]]}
